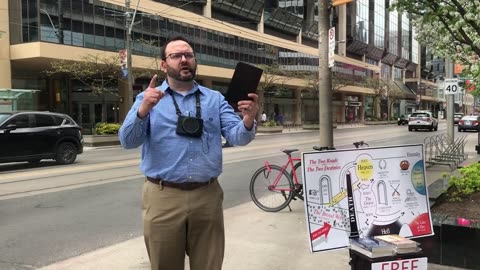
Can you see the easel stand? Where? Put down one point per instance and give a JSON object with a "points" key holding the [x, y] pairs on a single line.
{"points": [[408, 261]]}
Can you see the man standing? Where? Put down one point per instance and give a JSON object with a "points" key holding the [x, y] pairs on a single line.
{"points": [[264, 117], [179, 125]]}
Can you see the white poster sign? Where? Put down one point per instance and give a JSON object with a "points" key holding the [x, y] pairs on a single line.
{"points": [[388, 194], [331, 47]]}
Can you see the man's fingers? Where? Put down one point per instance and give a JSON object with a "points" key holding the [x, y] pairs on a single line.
{"points": [[253, 96], [153, 82]]}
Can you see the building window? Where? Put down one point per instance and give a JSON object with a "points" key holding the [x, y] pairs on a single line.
{"points": [[379, 24], [393, 33], [362, 21]]}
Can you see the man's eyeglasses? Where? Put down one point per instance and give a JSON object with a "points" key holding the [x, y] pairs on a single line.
{"points": [[178, 56]]}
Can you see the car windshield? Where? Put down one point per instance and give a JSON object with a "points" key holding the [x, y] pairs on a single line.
{"points": [[458, 115], [4, 116], [419, 115]]}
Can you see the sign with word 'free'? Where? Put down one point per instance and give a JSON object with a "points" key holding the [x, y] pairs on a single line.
{"points": [[409, 264], [451, 86]]}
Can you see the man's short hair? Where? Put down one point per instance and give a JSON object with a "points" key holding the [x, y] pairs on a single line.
{"points": [[175, 38]]}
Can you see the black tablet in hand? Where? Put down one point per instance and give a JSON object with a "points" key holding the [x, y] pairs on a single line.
{"points": [[245, 80]]}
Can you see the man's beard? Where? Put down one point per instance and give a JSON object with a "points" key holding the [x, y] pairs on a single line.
{"points": [[177, 74]]}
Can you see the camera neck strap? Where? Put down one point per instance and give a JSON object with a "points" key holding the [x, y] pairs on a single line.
{"points": [[197, 104]]}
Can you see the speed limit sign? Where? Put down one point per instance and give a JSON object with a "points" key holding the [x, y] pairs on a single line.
{"points": [[451, 86]]}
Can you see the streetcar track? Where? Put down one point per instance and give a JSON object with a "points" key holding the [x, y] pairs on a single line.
{"points": [[69, 186]]}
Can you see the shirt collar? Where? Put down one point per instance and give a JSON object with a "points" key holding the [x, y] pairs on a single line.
{"points": [[164, 86]]}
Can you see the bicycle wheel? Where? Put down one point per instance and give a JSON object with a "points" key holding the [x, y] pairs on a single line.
{"points": [[266, 195], [298, 173]]}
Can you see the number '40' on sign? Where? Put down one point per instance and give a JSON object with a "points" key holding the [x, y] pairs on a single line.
{"points": [[451, 86]]}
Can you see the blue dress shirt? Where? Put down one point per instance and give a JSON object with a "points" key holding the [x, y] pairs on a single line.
{"points": [[178, 158]]}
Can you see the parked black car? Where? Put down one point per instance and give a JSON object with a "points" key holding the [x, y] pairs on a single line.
{"points": [[403, 119], [33, 136]]}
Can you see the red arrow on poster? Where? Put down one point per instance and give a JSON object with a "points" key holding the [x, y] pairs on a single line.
{"points": [[322, 231]]}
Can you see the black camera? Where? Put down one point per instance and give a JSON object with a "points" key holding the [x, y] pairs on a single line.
{"points": [[189, 126]]}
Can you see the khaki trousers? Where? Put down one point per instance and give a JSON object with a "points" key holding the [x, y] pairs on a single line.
{"points": [[179, 222]]}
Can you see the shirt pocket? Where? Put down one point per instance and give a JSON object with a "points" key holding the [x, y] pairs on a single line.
{"points": [[211, 122]]}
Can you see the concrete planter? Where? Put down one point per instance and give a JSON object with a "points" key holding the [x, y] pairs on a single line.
{"points": [[456, 242], [100, 140], [262, 129]]}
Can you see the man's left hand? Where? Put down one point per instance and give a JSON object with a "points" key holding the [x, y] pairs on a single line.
{"points": [[249, 109]]}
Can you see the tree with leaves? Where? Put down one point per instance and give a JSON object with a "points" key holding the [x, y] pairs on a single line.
{"points": [[379, 89], [273, 79], [451, 28], [96, 72]]}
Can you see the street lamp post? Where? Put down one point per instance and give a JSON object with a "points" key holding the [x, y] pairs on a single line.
{"points": [[129, 21], [324, 77]]}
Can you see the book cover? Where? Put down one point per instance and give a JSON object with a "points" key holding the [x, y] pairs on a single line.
{"points": [[372, 244], [399, 241], [368, 253]]}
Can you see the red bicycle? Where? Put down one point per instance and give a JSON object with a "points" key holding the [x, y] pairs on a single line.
{"points": [[272, 187]]}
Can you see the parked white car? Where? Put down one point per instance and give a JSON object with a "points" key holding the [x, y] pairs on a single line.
{"points": [[422, 120]]}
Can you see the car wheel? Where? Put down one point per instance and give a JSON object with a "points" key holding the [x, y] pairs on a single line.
{"points": [[460, 130], [410, 129], [66, 153], [436, 127]]}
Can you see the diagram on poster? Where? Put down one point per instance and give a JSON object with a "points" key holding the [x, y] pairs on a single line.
{"points": [[388, 188]]}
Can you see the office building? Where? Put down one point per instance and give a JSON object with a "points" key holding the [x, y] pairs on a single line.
{"points": [[372, 43]]}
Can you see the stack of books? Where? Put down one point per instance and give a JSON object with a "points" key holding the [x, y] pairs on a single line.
{"points": [[402, 245], [371, 247]]}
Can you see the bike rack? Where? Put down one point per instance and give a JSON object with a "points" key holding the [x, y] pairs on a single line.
{"points": [[439, 150]]}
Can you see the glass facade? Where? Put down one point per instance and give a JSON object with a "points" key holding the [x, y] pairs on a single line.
{"points": [[405, 36], [379, 24], [294, 7], [393, 33], [362, 21], [414, 47], [101, 26]]}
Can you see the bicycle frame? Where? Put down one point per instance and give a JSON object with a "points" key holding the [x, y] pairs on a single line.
{"points": [[290, 162]]}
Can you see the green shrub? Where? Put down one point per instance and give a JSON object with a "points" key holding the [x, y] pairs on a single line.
{"points": [[270, 123], [107, 128], [466, 183]]}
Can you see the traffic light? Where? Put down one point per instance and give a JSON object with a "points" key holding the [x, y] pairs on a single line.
{"points": [[340, 2]]}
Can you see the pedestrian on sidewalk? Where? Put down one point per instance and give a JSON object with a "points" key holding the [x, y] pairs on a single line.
{"points": [[179, 125], [263, 119]]}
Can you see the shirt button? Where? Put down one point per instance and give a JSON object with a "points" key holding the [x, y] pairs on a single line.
{"points": [[191, 141], [189, 177], [191, 159]]}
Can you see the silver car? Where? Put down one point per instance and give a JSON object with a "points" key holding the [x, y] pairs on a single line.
{"points": [[422, 120]]}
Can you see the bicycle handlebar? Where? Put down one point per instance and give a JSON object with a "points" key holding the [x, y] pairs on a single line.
{"points": [[323, 148], [360, 143]]}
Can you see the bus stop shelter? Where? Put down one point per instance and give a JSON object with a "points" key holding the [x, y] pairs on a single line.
{"points": [[9, 99]]}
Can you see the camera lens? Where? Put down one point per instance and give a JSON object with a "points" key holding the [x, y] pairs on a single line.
{"points": [[191, 125]]}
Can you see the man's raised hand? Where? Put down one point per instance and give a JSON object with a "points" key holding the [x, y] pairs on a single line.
{"points": [[151, 97], [249, 109]]}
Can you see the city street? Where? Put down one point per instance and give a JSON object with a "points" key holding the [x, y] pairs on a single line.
{"points": [[51, 213]]}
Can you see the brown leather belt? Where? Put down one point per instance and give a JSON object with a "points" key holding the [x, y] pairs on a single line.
{"points": [[182, 186]]}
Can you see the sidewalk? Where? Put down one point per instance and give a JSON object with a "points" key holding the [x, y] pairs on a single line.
{"points": [[255, 240]]}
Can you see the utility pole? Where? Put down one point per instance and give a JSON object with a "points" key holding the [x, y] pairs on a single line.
{"points": [[450, 101], [128, 47], [324, 77]]}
